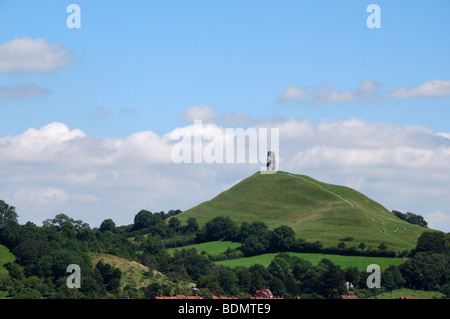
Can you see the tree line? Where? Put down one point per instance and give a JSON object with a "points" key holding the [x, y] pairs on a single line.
{"points": [[43, 254]]}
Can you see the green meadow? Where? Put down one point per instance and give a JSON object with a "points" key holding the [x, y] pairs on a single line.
{"points": [[5, 257], [361, 262], [213, 247]]}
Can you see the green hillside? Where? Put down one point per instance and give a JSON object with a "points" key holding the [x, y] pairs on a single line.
{"points": [[314, 210], [5, 257]]}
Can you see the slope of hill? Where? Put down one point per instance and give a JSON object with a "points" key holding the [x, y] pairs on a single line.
{"points": [[314, 210], [5, 257], [135, 274]]}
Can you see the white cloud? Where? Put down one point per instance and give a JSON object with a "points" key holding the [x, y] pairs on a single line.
{"points": [[438, 220], [23, 91], [198, 112], [27, 55], [208, 114], [58, 169], [295, 93], [102, 111], [367, 91], [433, 88], [446, 135], [41, 195]]}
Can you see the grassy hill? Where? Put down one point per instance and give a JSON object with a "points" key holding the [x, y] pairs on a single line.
{"points": [[135, 274], [5, 257], [314, 210]]}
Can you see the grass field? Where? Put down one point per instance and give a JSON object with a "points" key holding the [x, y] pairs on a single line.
{"points": [[313, 209], [404, 292], [133, 273], [5, 257], [213, 247], [360, 262]]}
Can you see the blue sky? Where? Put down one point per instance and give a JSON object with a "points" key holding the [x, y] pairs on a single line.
{"points": [[158, 58], [138, 66]]}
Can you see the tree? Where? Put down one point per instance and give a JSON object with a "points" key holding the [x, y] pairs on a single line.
{"points": [[218, 228], [195, 265], [108, 225], [427, 271], [143, 219], [411, 218], [362, 246], [63, 224], [15, 271], [283, 238], [192, 225], [392, 278], [416, 219], [279, 268], [174, 223], [333, 280], [111, 275], [437, 242], [152, 246], [228, 281], [254, 245], [155, 289], [244, 277], [253, 228], [352, 274], [299, 267], [8, 215], [260, 277]]}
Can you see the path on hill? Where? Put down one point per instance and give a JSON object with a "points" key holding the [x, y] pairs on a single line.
{"points": [[400, 240], [338, 196], [353, 206]]}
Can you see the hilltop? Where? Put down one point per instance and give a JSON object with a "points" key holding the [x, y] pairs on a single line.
{"points": [[313, 209]]}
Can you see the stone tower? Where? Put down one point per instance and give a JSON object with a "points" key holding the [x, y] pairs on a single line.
{"points": [[271, 164]]}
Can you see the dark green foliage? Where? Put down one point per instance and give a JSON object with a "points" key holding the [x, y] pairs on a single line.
{"points": [[436, 242], [253, 228], [192, 225], [8, 215], [411, 218], [282, 238], [155, 289], [43, 254], [255, 245], [392, 279], [108, 225], [110, 275], [218, 228], [426, 271], [152, 246], [15, 271], [194, 265]]}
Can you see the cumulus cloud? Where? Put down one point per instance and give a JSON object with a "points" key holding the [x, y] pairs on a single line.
{"points": [[198, 112], [438, 220], [367, 91], [208, 114], [56, 169], [102, 111], [23, 91], [27, 55], [433, 88]]}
